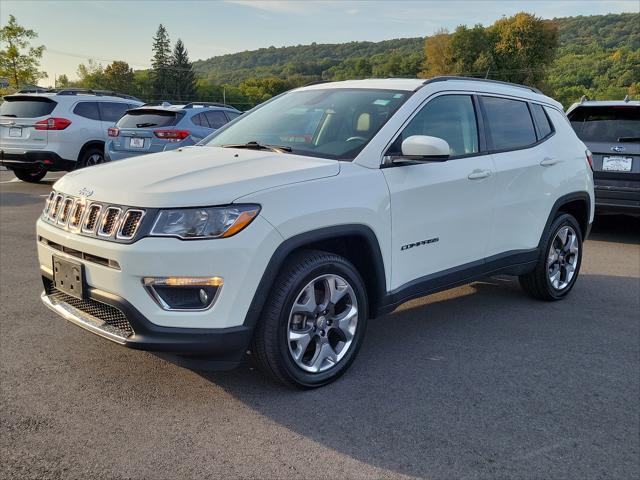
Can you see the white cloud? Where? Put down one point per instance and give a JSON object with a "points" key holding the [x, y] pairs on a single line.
{"points": [[281, 6]]}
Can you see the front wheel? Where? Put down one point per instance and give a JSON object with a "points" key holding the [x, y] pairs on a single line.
{"points": [[313, 322], [31, 176], [559, 262]]}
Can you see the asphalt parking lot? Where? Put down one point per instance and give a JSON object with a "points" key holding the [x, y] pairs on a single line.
{"points": [[477, 382]]}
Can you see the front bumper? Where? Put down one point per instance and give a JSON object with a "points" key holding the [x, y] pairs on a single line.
{"points": [[34, 160], [115, 319]]}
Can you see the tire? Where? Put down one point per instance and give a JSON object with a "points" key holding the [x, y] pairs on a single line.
{"points": [[333, 330], [31, 176], [559, 262], [92, 156]]}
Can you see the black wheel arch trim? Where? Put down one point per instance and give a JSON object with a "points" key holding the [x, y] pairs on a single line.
{"points": [[309, 238], [564, 200]]}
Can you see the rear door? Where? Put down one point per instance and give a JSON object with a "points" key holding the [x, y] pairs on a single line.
{"points": [[137, 129], [18, 117], [612, 133]]}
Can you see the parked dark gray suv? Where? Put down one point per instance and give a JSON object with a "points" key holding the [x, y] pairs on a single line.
{"points": [[611, 130]]}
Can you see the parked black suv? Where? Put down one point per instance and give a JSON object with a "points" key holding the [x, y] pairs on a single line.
{"points": [[611, 130]]}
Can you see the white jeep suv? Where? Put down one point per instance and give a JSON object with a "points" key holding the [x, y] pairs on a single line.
{"points": [[285, 230], [57, 130]]}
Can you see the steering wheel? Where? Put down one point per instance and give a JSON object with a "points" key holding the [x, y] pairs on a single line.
{"points": [[353, 139]]}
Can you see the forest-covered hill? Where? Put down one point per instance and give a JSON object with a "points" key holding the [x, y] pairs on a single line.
{"points": [[597, 55]]}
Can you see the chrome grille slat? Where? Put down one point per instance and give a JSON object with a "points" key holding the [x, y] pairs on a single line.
{"points": [[94, 219]]}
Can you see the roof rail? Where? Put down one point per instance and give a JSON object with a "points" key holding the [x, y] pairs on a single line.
{"points": [[584, 98], [316, 82], [207, 104], [499, 82], [90, 91]]}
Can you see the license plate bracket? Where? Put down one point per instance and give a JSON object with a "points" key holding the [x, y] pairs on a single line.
{"points": [[15, 132], [68, 277], [616, 164]]}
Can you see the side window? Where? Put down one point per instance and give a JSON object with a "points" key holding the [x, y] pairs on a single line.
{"points": [[87, 110], [450, 117], [510, 124], [542, 121], [200, 120], [216, 118], [112, 111], [233, 115]]}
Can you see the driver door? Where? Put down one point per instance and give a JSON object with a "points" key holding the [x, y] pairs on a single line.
{"points": [[441, 211]]}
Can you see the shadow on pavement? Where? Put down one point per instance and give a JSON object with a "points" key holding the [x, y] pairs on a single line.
{"points": [[616, 228], [478, 382]]}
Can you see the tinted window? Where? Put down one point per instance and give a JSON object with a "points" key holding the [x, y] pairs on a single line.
{"points": [[87, 110], [450, 117], [200, 120], [216, 119], [542, 121], [26, 107], [510, 124], [111, 111], [147, 118], [331, 123], [233, 115], [606, 124]]}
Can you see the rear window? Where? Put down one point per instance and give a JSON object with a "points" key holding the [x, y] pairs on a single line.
{"points": [[510, 124], [607, 124], [147, 118], [26, 107]]}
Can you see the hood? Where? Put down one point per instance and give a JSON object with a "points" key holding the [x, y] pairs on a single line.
{"points": [[193, 176]]}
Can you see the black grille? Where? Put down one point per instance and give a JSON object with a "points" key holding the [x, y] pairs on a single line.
{"points": [[114, 320], [92, 218], [109, 221], [130, 224]]}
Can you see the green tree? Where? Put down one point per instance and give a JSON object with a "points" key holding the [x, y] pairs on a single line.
{"points": [[437, 55], [161, 63], [524, 46], [62, 81], [471, 51], [91, 75], [183, 80], [19, 61], [118, 76]]}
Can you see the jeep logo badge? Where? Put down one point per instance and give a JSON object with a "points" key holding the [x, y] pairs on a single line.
{"points": [[85, 192], [618, 149]]}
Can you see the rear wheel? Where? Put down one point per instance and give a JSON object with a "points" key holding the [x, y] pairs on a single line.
{"points": [[313, 322], [91, 157], [31, 176], [559, 262]]}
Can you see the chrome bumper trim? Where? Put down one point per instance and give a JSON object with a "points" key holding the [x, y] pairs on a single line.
{"points": [[80, 318]]}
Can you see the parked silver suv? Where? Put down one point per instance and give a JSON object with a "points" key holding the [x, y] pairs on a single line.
{"points": [[57, 129]]}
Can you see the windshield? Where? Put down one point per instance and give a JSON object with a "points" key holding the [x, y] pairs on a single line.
{"points": [[606, 124], [331, 123], [147, 118]]}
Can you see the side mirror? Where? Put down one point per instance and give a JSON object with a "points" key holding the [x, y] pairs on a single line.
{"points": [[423, 147]]}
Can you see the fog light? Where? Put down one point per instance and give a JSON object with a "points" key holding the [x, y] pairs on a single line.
{"points": [[183, 293]]}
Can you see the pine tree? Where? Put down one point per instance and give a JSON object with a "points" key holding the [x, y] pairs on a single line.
{"points": [[183, 79], [161, 63]]}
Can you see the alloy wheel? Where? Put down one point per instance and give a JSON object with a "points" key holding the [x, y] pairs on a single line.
{"points": [[322, 323], [562, 259]]}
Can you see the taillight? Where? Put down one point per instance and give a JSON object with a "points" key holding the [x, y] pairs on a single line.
{"points": [[589, 158], [53, 124], [113, 132], [172, 134]]}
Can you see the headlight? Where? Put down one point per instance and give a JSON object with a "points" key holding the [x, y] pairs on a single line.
{"points": [[209, 222]]}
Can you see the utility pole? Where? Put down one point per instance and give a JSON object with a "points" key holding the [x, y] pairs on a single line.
{"points": [[224, 96]]}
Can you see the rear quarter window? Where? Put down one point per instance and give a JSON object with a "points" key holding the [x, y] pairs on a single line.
{"points": [[510, 123], [542, 121], [147, 119], [26, 107]]}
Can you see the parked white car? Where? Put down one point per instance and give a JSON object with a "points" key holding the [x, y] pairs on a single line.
{"points": [[57, 130], [326, 206]]}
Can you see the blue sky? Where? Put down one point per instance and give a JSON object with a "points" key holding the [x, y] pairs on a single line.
{"points": [[74, 31]]}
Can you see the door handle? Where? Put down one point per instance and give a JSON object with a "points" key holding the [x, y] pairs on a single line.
{"points": [[478, 174], [548, 161]]}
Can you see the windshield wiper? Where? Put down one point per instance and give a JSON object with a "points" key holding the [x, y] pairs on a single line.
{"points": [[629, 139], [9, 115], [143, 125], [253, 145]]}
